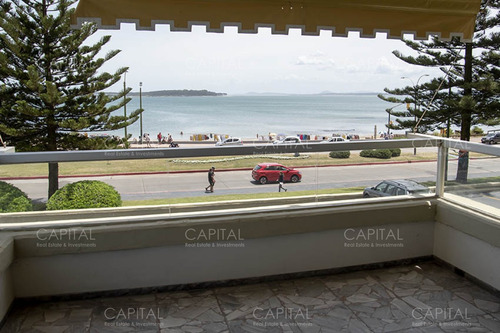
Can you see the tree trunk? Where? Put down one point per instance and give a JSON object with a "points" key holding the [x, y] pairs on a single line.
{"points": [[52, 146], [53, 178], [51, 121], [463, 156]]}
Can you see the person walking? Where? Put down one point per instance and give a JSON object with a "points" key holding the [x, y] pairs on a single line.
{"points": [[211, 180], [281, 180]]}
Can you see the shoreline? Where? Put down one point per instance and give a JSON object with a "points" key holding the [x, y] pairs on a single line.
{"points": [[317, 136], [154, 143], [246, 116]]}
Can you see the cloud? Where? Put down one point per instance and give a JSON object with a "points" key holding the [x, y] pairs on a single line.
{"points": [[384, 66], [291, 77], [352, 69], [396, 67], [318, 60]]}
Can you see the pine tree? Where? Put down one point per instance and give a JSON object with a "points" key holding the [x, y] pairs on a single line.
{"points": [[50, 83], [468, 92]]}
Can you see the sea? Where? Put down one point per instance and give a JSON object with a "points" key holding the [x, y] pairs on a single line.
{"points": [[248, 116]]}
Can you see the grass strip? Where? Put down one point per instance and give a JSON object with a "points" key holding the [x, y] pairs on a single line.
{"points": [[212, 198]]}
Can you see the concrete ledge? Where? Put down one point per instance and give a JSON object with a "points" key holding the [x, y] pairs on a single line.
{"points": [[483, 225], [471, 255], [6, 252], [112, 234], [155, 250], [468, 240], [6, 282], [60, 274]]}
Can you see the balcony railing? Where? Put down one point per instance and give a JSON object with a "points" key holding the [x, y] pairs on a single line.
{"points": [[415, 141]]}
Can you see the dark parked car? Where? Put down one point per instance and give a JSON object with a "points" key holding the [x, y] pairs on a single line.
{"points": [[269, 172], [395, 187], [491, 138]]}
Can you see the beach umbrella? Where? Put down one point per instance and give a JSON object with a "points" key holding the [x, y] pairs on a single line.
{"points": [[445, 18]]}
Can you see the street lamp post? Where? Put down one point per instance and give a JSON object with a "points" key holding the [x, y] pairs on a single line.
{"points": [[140, 106], [389, 123], [389, 118], [417, 102]]}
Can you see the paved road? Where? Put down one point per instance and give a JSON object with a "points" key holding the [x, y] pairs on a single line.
{"points": [[491, 198], [140, 187]]}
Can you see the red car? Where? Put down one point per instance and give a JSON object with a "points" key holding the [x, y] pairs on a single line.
{"points": [[269, 172]]}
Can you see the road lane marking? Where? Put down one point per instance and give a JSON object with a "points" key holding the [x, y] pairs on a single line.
{"points": [[491, 197]]}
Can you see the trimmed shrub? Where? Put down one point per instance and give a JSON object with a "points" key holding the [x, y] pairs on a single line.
{"points": [[476, 130], [340, 154], [84, 194], [376, 153], [395, 152], [13, 199]]}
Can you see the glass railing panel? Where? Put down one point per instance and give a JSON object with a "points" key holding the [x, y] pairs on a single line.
{"points": [[159, 176], [476, 179]]}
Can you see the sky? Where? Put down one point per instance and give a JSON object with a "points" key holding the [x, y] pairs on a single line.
{"points": [[235, 63]]}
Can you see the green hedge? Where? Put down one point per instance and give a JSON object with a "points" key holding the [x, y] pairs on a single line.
{"points": [[85, 194], [476, 130], [340, 154], [13, 199], [395, 152], [376, 153]]}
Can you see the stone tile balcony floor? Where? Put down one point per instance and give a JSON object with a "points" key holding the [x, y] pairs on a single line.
{"points": [[424, 297]]}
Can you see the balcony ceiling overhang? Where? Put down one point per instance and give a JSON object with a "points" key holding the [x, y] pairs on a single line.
{"points": [[420, 18]]}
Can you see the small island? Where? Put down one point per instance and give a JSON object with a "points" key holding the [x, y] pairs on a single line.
{"points": [[175, 93]]}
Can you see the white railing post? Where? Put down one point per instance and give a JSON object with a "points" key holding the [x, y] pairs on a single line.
{"points": [[441, 168]]}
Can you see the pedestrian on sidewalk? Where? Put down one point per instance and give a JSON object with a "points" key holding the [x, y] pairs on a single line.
{"points": [[281, 180], [211, 180]]}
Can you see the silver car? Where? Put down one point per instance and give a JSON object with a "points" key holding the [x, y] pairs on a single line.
{"points": [[288, 140], [395, 187], [335, 139], [229, 142]]}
